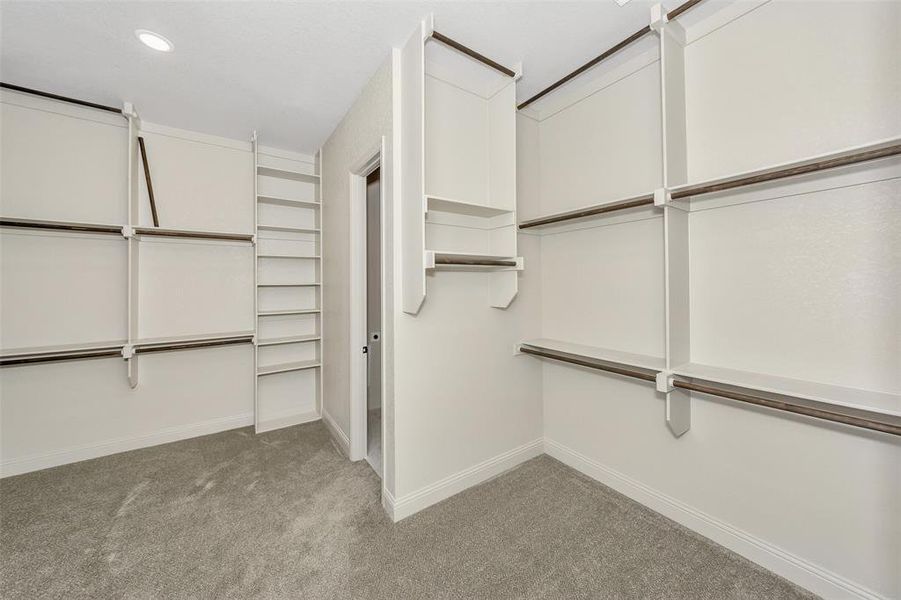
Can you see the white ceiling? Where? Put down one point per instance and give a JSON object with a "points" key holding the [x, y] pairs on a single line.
{"points": [[290, 70]]}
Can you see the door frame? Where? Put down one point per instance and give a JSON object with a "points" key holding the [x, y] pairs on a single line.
{"points": [[358, 333]]}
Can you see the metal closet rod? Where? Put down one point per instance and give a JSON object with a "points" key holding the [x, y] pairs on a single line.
{"points": [[820, 165], [477, 262], [587, 362], [203, 235], [798, 409], [645, 200], [19, 88], [439, 37], [874, 424], [608, 53], [116, 351], [60, 226]]}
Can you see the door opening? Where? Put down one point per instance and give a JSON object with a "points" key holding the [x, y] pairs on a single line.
{"points": [[374, 321]]}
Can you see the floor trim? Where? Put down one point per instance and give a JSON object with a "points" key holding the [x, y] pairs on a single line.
{"points": [[287, 419], [403, 507], [340, 438], [794, 568], [36, 462]]}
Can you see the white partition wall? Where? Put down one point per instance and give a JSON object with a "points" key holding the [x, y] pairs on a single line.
{"points": [[465, 140], [785, 290], [166, 308]]}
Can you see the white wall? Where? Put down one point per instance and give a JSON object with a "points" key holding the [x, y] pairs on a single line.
{"points": [[353, 141], [63, 162], [801, 281]]}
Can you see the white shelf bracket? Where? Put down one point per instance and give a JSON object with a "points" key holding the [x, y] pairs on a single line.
{"points": [[658, 17], [131, 360], [678, 404], [662, 197], [128, 231]]}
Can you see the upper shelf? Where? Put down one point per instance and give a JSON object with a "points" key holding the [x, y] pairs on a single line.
{"points": [[821, 162], [287, 174], [849, 156], [881, 402], [438, 203], [464, 261]]}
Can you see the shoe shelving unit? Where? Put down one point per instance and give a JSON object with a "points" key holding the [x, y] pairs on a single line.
{"points": [[288, 297]]}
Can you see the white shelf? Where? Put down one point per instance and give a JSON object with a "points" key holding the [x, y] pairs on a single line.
{"points": [[294, 339], [276, 285], [287, 174], [289, 202], [460, 207], [278, 313], [286, 229], [434, 257], [642, 361], [289, 366], [287, 256], [881, 402]]}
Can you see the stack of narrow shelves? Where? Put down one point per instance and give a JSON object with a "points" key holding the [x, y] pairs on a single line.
{"points": [[288, 292]]}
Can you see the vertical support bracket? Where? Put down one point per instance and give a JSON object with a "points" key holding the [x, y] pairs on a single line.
{"points": [[674, 146], [131, 361]]}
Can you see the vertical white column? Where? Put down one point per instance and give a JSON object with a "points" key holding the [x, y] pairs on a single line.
{"points": [[256, 290], [134, 126], [675, 216]]}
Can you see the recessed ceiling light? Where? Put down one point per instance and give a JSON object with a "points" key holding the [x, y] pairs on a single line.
{"points": [[621, 2], [154, 40]]}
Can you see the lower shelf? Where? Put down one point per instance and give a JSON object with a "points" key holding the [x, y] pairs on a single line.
{"points": [[289, 366], [856, 398]]}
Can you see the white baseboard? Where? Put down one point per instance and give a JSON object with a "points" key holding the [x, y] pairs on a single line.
{"points": [[340, 438], [771, 557], [388, 503], [401, 508], [287, 419], [36, 462]]}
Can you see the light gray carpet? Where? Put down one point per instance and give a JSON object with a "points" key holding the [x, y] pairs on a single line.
{"points": [[283, 515]]}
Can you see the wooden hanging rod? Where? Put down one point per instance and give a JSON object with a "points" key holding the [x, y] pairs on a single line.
{"points": [[59, 226], [803, 168], [19, 88], [439, 37], [645, 200], [608, 53], [203, 235], [884, 424], [477, 262], [590, 363]]}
